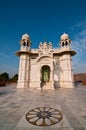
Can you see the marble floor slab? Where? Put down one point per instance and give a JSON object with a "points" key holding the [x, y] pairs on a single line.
{"points": [[16, 103]]}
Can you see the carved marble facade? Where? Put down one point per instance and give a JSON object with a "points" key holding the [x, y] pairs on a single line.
{"points": [[45, 65]]}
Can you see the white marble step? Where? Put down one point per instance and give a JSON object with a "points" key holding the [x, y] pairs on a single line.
{"points": [[47, 86]]}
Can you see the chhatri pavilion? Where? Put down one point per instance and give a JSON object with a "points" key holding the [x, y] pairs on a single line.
{"points": [[45, 67]]}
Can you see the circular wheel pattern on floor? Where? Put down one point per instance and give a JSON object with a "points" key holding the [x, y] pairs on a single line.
{"points": [[44, 116]]}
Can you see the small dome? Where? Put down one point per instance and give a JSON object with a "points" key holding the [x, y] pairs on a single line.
{"points": [[25, 36], [64, 36]]}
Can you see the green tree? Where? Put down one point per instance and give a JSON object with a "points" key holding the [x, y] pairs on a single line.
{"points": [[4, 77], [14, 78]]}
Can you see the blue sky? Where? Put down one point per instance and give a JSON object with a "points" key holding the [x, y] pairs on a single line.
{"points": [[41, 19]]}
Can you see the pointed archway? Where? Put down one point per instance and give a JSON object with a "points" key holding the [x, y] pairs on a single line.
{"points": [[45, 73]]}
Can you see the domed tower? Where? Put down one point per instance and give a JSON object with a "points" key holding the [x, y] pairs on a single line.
{"points": [[24, 65], [65, 40], [66, 61], [25, 41]]}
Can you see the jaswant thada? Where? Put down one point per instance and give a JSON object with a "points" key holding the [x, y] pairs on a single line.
{"points": [[45, 67]]}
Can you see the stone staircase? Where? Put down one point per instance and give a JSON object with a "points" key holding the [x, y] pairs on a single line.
{"points": [[47, 85]]}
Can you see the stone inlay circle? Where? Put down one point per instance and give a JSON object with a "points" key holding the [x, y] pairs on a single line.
{"points": [[44, 116]]}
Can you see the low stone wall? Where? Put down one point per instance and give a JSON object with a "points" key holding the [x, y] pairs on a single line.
{"points": [[84, 82], [2, 84]]}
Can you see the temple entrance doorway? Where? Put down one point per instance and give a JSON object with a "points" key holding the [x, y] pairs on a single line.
{"points": [[45, 75]]}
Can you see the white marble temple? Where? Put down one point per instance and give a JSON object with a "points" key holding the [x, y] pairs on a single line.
{"points": [[45, 64]]}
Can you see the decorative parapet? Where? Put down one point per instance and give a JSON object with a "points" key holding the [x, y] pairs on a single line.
{"points": [[65, 48], [45, 48], [34, 50], [56, 50], [24, 48]]}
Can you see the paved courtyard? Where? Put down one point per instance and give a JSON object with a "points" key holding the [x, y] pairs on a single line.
{"points": [[60, 109]]}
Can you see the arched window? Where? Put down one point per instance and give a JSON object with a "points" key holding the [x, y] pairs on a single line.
{"points": [[62, 43], [66, 43], [27, 44], [24, 44]]}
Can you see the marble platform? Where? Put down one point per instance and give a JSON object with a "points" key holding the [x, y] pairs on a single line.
{"points": [[16, 103]]}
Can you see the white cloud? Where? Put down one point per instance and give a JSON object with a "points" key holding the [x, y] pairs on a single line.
{"points": [[79, 45]]}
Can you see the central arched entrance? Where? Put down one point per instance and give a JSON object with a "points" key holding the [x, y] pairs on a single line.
{"points": [[45, 73]]}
